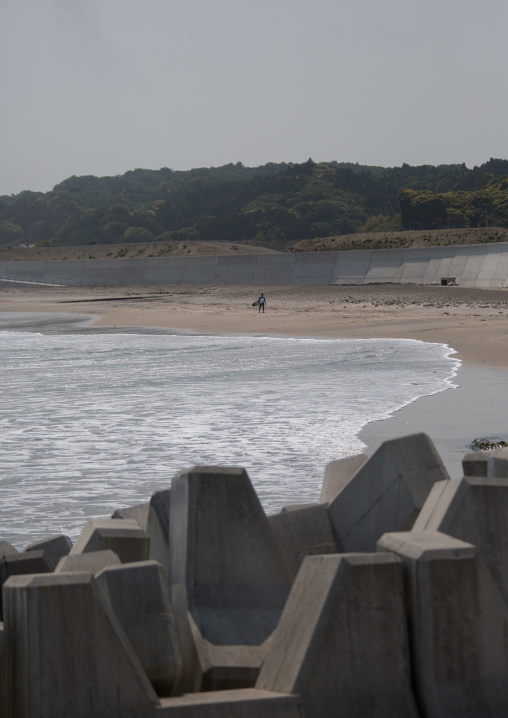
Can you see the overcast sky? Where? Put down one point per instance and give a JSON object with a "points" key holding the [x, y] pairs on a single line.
{"points": [[103, 86]]}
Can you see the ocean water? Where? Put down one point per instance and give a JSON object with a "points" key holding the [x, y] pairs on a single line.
{"points": [[94, 422]]}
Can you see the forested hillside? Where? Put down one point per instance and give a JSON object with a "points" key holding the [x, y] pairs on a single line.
{"points": [[274, 202]]}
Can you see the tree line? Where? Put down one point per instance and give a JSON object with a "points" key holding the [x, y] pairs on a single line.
{"points": [[284, 201]]}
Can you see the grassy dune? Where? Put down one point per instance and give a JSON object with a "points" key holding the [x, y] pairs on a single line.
{"points": [[371, 240]]}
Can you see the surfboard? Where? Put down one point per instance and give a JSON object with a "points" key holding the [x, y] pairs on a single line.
{"points": [[256, 303]]}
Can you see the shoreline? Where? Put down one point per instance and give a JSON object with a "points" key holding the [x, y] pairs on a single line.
{"points": [[453, 418], [474, 323]]}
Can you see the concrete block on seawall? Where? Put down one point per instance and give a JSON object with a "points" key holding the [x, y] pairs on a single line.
{"points": [[229, 581], [157, 526], [139, 513], [497, 464], [474, 463], [18, 564], [138, 594], [339, 473], [21, 564], [472, 509], [386, 493], [2, 684], [123, 536], [54, 547], [342, 641], [66, 654], [239, 703], [458, 623], [90, 562], [7, 548], [153, 517], [303, 532], [297, 507]]}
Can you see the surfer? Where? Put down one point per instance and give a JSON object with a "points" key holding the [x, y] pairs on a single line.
{"points": [[262, 302]]}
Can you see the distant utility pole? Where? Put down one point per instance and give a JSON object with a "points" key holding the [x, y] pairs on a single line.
{"points": [[486, 214]]}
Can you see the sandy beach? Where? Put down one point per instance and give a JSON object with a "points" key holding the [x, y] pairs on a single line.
{"points": [[472, 322]]}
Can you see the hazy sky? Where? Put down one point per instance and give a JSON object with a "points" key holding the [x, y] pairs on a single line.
{"points": [[103, 86]]}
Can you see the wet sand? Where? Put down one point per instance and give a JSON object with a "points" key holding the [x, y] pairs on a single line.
{"points": [[452, 418]]}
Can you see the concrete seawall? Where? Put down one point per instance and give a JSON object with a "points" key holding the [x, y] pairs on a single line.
{"points": [[483, 265], [396, 607]]}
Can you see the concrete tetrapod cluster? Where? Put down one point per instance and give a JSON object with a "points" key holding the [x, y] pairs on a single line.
{"points": [[387, 599]]}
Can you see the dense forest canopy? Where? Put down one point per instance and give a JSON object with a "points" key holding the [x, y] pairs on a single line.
{"points": [[273, 202]]}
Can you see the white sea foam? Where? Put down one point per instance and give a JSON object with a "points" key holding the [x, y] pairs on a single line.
{"points": [[92, 422]]}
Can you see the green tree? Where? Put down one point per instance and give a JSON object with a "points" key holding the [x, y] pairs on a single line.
{"points": [[455, 218], [373, 223], [113, 231], [138, 234], [40, 232], [421, 210], [10, 233]]}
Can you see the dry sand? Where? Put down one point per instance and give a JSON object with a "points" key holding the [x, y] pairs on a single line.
{"points": [[471, 321]]}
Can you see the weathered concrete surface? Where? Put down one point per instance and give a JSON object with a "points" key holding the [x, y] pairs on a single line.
{"points": [[351, 267], [123, 536], [7, 548], [90, 562], [153, 518], [274, 269], [58, 271], [480, 265], [303, 532], [201, 272], [473, 509], [497, 464], [133, 271], [157, 272], [2, 681], [314, 268], [474, 463], [339, 473], [34, 271], [342, 641], [298, 507], [100, 272], [66, 654], [54, 547], [157, 526], [229, 581], [138, 594], [386, 493], [241, 267], [240, 703], [20, 564], [138, 513], [458, 625]]}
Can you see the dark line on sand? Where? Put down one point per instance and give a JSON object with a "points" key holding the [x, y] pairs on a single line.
{"points": [[106, 299]]}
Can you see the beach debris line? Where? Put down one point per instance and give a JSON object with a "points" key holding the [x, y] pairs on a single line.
{"points": [[198, 603]]}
